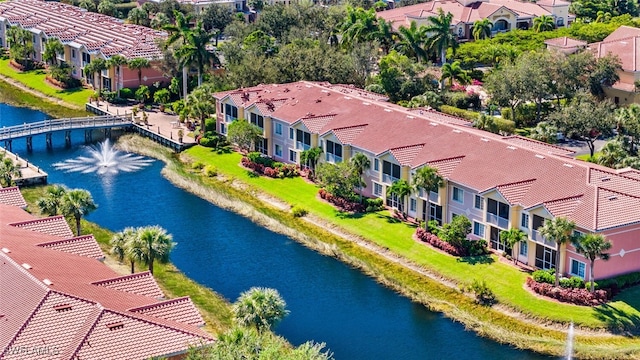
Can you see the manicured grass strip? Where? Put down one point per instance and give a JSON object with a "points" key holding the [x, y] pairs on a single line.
{"points": [[505, 280], [35, 79], [215, 310], [14, 96]]}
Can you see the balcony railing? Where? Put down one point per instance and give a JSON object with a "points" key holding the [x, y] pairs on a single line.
{"points": [[229, 118], [497, 220], [537, 237], [302, 146], [388, 179], [333, 158]]}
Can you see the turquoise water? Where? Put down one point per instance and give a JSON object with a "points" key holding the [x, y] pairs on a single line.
{"points": [[329, 301]]}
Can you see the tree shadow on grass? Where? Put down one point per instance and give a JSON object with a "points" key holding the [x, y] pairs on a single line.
{"points": [[223, 150], [348, 215], [473, 260], [252, 174], [618, 321]]}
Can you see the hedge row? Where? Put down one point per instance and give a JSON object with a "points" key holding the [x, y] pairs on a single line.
{"points": [[574, 296]]}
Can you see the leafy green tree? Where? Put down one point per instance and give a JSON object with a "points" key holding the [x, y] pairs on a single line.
{"points": [[261, 308], [604, 74], [215, 19], [138, 64], [143, 93], [429, 98], [138, 16], [360, 163], [179, 34], [159, 21], [453, 71], [427, 179], [338, 179], [20, 45], [244, 134], [628, 126], [107, 7], [455, 232], [545, 132], [121, 246], [8, 171], [51, 203], [52, 48], [162, 96], [116, 62], [487, 123], [482, 29], [411, 42], [360, 25], [543, 23], [401, 189], [200, 105], [593, 246], [152, 244], [194, 51], [441, 36], [88, 5], [513, 237], [310, 158], [385, 35], [76, 204], [560, 231]]}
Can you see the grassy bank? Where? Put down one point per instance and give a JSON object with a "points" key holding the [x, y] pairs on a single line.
{"points": [[14, 96], [516, 330], [215, 310]]}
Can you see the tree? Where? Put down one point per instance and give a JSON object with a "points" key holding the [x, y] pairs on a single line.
{"points": [[52, 48], [215, 18], [116, 62], [593, 246], [411, 42], [482, 29], [97, 65], [153, 243], [138, 64], [359, 25], [545, 132], [310, 158], [8, 171], [605, 73], [260, 307], [178, 35], [76, 204], [400, 189], [360, 163], [586, 119], [20, 45], [487, 123], [194, 50], [628, 126], [513, 237], [138, 16], [453, 72], [441, 37], [385, 35], [244, 134], [88, 5], [107, 7], [338, 179], [543, 23], [427, 179], [159, 21], [51, 203], [121, 246], [560, 231], [455, 232], [200, 104]]}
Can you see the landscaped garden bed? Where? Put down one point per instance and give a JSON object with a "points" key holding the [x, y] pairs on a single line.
{"points": [[577, 296], [268, 167], [452, 238]]}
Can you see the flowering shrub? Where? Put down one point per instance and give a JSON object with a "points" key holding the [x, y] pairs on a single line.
{"points": [[341, 203], [476, 82], [275, 170], [458, 87], [574, 296], [436, 242]]}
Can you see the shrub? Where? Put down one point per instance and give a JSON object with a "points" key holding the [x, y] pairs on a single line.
{"points": [[210, 171], [197, 165], [433, 227], [484, 295], [341, 203], [572, 283], [465, 114], [298, 211], [126, 93], [436, 242], [476, 247], [616, 284], [266, 166], [373, 205], [544, 276], [574, 296]]}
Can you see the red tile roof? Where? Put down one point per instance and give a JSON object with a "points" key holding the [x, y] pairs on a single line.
{"points": [[564, 42], [514, 192], [12, 196], [82, 245], [623, 42], [54, 225], [346, 135], [141, 283], [316, 123], [406, 154], [179, 309]]}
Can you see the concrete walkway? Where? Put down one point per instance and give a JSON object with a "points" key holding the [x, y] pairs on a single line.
{"points": [[29, 173]]}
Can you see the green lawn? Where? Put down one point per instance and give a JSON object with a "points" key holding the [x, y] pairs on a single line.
{"points": [[505, 280], [587, 157], [35, 79]]}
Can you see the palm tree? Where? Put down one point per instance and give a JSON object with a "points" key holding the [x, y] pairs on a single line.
{"points": [[411, 41], [194, 50], [310, 157], [139, 64], [427, 178], [51, 203], [359, 26], [400, 188], [8, 171], [178, 35], [513, 237], [20, 44], [454, 72], [154, 244], [121, 243], [138, 16], [385, 35], [441, 38], [486, 122], [260, 307], [543, 23], [482, 29], [77, 203], [360, 163], [51, 51], [612, 154], [560, 231], [200, 105], [593, 246], [116, 63], [97, 66]]}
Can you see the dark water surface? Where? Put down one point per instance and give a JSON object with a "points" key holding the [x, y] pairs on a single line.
{"points": [[329, 302]]}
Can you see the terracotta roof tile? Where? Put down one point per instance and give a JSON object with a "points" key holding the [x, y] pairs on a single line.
{"points": [[616, 182], [347, 135], [82, 245], [446, 166], [515, 192], [629, 172], [12, 196], [54, 225], [316, 123], [179, 309], [565, 42], [608, 213], [542, 147], [141, 283], [623, 42], [564, 207], [406, 154]]}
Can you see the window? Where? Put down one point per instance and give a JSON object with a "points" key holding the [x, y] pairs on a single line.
{"points": [[73, 53], [458, 194], [577, 234], [333, 152], [390, 172], [577, 268], [376, 165], [377, 189], [545, 257], [303, 140], [435, 213], [278, 150], [393, 201], [293, 156], [524, 221], [262, 146], [257, 120], [413, 204], [524, 248], [478, 229], [497, 208], [278, 129], [223, 128], [291, 134], [478, 202], [231, 112]]}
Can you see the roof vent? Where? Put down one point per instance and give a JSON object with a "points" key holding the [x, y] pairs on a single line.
{"points": [[347, 98], [433, 124], [610, 198], [26, 266], [115, 326], [567, 165], [457, 131], [5, 250], [410, 117], [387, 110], [366, 103], [484, 139], [605, 179], [47, 282], [324, 91], [62, 307], [539, 156], [511, 147]]}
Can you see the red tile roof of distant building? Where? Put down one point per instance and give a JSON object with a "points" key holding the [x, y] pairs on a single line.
{"points": [[565, 42], [82, 245], [141, 283], [12, 196], [623, 42], [54, 225], [179, 309]]}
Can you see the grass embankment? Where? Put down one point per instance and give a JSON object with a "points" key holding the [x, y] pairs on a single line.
{"points": [[505, 280], [215, 310], [35, 79], [11, 95]]}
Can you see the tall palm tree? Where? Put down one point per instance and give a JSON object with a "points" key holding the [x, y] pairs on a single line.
{"points": [[78, 203], [121, 243], [116, 63], [51, 203], [427, 178], [482, 29], [385, 35], [513, 237], [51, 51], [360, 163], [178, 35], [593, 246], [154, 244], [138, 16], [310, 158], [441, 38], [560, 231], [453, 71], [401, 189], [359, 26], [543, 23], [8, 171], [260, 307], [98, 65], [138, 64], [194, 50], [411, 41], [200, 105], [612, 154]]}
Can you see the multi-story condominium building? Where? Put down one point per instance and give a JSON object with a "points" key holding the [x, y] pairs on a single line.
{"points": [[86, 36], [498, 182]]}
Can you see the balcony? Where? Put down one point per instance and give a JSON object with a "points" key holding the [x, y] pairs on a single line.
{"points": [[498, 221], [333, 158], [302, 146], [229, 118], [537, 237], [388, 179]]}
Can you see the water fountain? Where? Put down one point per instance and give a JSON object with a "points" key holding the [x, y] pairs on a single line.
{"points": [[104, 159], [569, 347]]}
